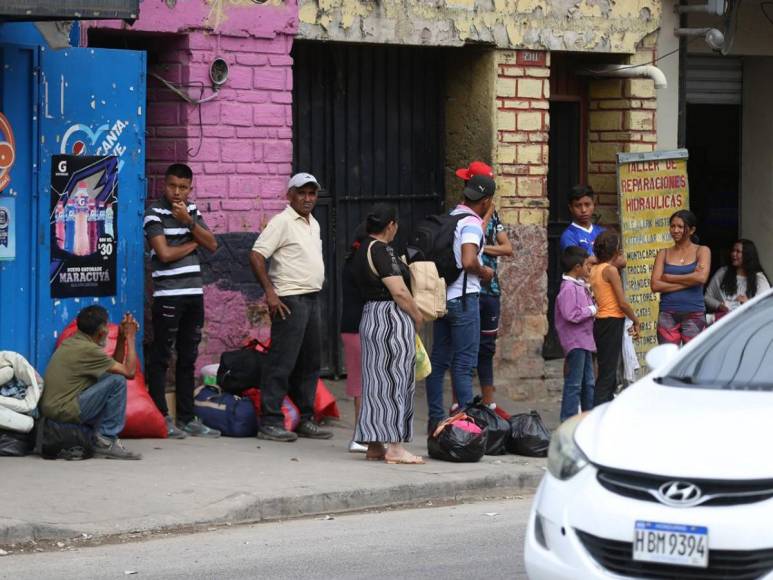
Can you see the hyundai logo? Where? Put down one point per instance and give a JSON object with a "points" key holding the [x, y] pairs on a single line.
{"points": [[679, 493]]}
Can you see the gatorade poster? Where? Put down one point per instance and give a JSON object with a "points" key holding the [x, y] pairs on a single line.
{"points": [[84, 226]]}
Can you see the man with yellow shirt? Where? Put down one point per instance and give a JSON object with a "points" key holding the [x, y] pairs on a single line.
{"points": [[292, 283]]}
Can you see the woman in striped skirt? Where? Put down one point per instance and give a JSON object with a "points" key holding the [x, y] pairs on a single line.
{"points": [[388, 340]]}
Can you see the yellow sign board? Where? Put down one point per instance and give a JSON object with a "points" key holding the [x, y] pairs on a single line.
{"points": [[651, 187]]}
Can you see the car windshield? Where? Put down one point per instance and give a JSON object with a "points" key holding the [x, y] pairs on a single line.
{"points": [[737, 356]]}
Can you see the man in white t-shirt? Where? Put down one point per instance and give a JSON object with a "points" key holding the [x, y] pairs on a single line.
{"points": [[456, 336]]}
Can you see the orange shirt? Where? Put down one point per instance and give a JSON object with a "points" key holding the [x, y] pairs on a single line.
{"points": [[604, 294]]}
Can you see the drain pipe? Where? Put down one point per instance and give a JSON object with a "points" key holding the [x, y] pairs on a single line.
{"points": [[649, 71]]}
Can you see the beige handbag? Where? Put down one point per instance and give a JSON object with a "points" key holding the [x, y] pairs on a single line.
{"points": [[427, 287]]}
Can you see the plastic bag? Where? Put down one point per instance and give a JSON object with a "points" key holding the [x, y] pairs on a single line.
{"points": [[528, 435], [143, 419], [423, 364], [459, 439], [14, 444], [325, 404], [292, 416], [497, 428]]}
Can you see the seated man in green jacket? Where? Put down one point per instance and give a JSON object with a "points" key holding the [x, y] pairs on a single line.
{"points": [[84, 385]]}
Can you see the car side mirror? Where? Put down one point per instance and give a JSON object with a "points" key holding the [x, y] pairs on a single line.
{"points": [[661, 355]]}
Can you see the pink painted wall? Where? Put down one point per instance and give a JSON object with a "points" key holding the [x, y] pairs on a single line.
{"points": [[241, 148]]}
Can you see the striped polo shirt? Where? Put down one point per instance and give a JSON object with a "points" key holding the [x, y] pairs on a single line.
{"points": [[183, 277]]}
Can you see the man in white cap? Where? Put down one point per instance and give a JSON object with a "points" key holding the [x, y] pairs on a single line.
{"points": [[292, 284]]}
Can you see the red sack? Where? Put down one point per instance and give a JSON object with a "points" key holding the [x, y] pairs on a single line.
{"points": [[143, 419], [292, 416], [325, 403]]}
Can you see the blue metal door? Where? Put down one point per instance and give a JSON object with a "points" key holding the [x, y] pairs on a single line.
{"points": [[18, 277], [92, 102]]}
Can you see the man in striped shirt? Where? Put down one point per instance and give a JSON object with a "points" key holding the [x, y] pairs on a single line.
{"points": [[175, 230]]}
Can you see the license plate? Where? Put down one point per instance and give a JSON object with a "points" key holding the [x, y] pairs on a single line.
{"points": [[671, 544]]}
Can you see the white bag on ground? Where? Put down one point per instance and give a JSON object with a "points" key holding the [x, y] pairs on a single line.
{"points": [[24, 373], [630, 360]]}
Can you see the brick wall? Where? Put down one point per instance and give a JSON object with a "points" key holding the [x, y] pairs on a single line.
{"points": [[521, 156], [622, 119], [242, 164], [239, 146]]}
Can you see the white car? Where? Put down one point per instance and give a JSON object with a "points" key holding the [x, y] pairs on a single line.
{"points": [[674, 478]]}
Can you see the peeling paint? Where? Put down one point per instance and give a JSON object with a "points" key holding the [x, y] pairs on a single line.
{"points": [[578, 25]]}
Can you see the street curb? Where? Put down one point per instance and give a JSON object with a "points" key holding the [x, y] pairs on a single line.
{"points": [[246, 508]]}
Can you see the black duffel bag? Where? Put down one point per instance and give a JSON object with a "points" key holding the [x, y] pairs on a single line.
{"points": [[529, 435], [70, 441], [240, 370], [498, 429]]}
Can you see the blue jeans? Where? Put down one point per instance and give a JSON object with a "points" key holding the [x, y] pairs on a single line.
{"points": [[103, 405], [578, 384], [455, 342]]}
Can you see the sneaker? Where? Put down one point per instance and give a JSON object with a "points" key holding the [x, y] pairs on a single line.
{"points": [[355, 447], [195, 428], [112, 449], [275, 433], [172, 432], [311, 430], [454, 408]]}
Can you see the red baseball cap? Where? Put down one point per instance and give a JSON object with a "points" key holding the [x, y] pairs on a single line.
{"points": [[475, 168]]}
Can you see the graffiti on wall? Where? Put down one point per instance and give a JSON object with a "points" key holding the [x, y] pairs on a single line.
{"points": [[7, 151]]}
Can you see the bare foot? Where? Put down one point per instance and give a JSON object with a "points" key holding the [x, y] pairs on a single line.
{"points": [[375, 452]]}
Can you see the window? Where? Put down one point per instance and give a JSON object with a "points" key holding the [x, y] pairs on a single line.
{"points": [[739, 356]]}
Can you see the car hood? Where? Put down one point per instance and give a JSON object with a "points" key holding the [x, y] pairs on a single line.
{"points": [[682, 432]]}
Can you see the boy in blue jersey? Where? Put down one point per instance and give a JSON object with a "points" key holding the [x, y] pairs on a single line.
{"points": [[582, 231]]}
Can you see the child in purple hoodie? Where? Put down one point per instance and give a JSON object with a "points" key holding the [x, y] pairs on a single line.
{"points": [[574, 324]]}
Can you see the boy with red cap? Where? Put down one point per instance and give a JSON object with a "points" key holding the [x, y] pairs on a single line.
{"points": [[496, 244]]}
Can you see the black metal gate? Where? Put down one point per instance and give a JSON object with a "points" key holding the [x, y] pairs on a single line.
{"points": [[368, 122]]}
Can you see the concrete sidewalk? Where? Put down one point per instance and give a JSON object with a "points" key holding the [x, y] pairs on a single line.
{"points": [[180, 484]]}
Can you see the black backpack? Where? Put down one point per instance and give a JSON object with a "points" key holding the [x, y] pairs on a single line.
{"points": [[433, 240]]}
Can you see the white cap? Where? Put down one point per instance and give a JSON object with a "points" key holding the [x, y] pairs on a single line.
{"points": [[301, 179]]}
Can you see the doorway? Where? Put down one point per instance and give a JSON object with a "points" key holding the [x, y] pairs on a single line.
{"points": [[368, 122], [713, 168], [567, 166]]}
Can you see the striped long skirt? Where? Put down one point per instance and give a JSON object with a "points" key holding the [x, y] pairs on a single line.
{"points": [[388, 339]]}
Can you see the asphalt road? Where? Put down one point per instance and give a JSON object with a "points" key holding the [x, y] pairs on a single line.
{"points": [[477, 540]]}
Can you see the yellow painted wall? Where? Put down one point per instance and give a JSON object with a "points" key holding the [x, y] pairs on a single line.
{"points": [[614, 26]]}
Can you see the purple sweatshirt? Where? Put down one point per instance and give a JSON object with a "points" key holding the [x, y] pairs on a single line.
{"points": [[574, 315]]}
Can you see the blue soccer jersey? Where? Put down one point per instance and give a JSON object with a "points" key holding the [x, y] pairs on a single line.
{"points": [[576, 235]]}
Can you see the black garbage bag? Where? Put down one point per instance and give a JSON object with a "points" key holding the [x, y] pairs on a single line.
{"points": [[68, 441], [528, 435], [15, 444], [458, 441], [497, 428]]}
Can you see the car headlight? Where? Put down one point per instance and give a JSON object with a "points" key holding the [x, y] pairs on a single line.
{"points": [[565, 459]]}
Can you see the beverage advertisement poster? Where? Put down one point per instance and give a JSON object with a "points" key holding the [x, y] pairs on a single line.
{"points": [[84, 226], [651, 187], [7, 228]]}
